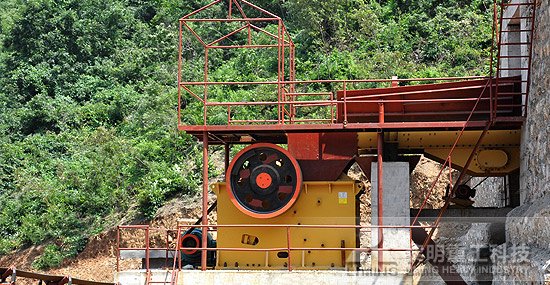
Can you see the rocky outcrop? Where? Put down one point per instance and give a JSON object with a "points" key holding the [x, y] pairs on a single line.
{"points": [[535, 152]]}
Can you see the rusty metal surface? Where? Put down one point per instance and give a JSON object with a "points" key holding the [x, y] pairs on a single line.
{"points": [[57, 279], [322, 170], [323, 156], [427, 102]]}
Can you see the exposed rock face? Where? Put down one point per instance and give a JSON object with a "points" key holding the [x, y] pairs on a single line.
{"points": [[530, 224], [516, 269], [535, 167], [490, 193]]}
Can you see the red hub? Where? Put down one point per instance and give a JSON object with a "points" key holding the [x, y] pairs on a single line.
{"points": [[263, 180]]}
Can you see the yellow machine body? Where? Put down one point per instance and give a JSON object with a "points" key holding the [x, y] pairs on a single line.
{"points": [[497, 155], [319, 203]]}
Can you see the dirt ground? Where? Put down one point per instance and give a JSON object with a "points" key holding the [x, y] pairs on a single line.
{"points": [[98, 259]]}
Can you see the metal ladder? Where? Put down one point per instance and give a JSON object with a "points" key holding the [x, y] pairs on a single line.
{"points": [[175, 269], [515, 40]]}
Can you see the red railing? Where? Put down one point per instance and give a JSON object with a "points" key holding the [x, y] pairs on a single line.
{"points": [[146, 242], [286, 109], [522, 15], [177, 249], [286, 99]]}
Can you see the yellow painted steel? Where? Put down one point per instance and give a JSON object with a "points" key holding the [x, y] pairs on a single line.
{"points": [[319, 203], [498, 153], [492, 158]]}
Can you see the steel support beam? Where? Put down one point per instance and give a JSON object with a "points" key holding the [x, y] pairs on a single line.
{"points": [[204, 198], [464, 215], [380, 189], [227, 149]]}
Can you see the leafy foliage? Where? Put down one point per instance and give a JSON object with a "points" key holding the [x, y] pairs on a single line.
{"points": [[50, 257], [88, 99]]}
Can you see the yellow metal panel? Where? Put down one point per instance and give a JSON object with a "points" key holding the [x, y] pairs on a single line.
{"points": [[443, 139], [492, 158], [499, 150], [320, 203], [460, 155]]}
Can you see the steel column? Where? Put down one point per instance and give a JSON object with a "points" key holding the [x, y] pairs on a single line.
{"points": [[226, 153], [279, 79], [288, 245], [118, 249], [205, 83], [179, 77], [147, 248], [204, 198], [380, 193]]}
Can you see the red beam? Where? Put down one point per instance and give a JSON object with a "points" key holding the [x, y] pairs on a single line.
{"points": [[339, 126], [230, 20]]}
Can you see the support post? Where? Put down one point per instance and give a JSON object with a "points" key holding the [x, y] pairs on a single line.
{"points": [[204, 198], [279, 79], [118, 249], [380, 189], [227, 149], [394, 82], [205, 84], [147, 248]]}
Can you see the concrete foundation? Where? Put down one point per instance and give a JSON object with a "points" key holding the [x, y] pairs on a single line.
{"points": [[138, 277], [396, 213]]}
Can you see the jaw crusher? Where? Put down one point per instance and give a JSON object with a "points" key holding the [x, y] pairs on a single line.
{"points": [[264, 186]]}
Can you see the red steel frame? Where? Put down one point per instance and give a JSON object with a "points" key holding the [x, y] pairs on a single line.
{"points": [[287, 120], [283, 38], [528, 4]]}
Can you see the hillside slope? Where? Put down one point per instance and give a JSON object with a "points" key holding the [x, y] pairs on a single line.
{"points": [[88, 100]]}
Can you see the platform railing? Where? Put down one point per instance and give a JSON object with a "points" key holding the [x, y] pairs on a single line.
{"points": [[176, 265], [288, 102], [148, 233]]}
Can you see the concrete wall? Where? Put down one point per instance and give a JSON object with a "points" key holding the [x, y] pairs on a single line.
{"points": [[396, 213], [526, 254]]}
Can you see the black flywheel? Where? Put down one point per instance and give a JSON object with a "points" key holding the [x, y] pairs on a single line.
{"points": [[263, 180]]}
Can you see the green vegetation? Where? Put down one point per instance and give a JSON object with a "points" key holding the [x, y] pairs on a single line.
{"points": [[88, 95]]}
